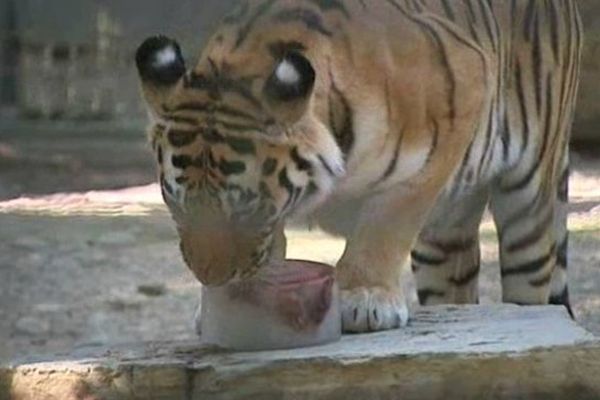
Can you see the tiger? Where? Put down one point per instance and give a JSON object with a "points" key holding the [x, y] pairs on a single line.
{"points": [[394, 124]]}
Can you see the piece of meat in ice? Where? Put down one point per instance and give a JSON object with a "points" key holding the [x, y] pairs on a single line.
{"points": [[284, 306]]}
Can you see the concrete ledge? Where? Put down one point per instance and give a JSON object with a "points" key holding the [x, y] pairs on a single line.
{"points": [[487, 352]]}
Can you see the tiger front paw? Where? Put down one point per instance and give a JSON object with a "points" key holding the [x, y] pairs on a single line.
{"points": [[370, 309]]}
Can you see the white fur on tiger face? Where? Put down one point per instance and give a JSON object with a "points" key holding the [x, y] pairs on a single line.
{"points": [[393, 123]]}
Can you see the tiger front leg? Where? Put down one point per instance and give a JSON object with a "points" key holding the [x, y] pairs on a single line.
{"points": [[369, 272]]}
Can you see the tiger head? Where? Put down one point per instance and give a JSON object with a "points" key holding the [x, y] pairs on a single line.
{"points": [[239, 144]]}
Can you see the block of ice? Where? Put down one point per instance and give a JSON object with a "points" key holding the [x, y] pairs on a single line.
{"points": [[286, 306]]}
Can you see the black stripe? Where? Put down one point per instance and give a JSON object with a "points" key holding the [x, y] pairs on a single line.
{"points": [[269, 166], [202, 82], [231, 167], [562, 252], [528, 19], [388, 103], [212, 136], [563, 187], [344, 133], [513, 12], [450, 78], [472, 22], [309, 18], [488, 137], [462, 169], [207, 158], [448, 10], [434, 141], [531, 207], [427, 259], [535, 234], [530, 267], [214, 70], [331, 5], [554, 26], [241, 146], [425, 294], [471, 13], [234, 112], [181, 161], [466, 279], [165, 186], [326, 166], [244, 30], [542, 281], [215, 86], [181, 138], [488, 24], [417, 6], [506, 136], [264, 191], [526, 180], [566, 79], [393, 162], [519, 81], [210, 108], [159, 155], [474, 34], [301, 163], [449, 31], [452, 246], [284, 181], [311, 190], [181, 119], [536, 60], [239, 127]]}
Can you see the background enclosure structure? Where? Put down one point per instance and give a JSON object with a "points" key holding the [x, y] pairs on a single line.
{"points": [[72, 59]]}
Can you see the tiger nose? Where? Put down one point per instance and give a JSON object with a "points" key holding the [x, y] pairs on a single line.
{"points": [[209, 253], [215, 247]]}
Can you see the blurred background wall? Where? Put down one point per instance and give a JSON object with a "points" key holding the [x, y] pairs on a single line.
{"points": [[587, 124], [72, 59]]}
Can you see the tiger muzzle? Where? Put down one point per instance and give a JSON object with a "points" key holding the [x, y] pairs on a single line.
{"points": [[217, 252]]}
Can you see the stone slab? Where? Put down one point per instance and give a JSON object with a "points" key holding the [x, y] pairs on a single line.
{"points": [[467, 352]]}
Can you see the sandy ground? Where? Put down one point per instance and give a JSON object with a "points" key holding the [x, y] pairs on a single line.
{"points": [[104, 267]]}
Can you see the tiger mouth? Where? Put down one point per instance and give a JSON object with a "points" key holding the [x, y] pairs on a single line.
{"points": [[218, 254]]}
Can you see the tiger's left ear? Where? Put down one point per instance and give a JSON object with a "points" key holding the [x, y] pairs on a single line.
{"points": [[289, 88], [160, 66]]}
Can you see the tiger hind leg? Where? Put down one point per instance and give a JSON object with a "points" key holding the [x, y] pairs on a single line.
{"points": [[531, 219], [446, 256]]}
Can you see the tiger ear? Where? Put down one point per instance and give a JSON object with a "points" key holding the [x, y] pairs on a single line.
{"points": [[160, 66], [289, 87]]}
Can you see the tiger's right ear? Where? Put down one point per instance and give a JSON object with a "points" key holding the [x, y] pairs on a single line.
{"points": [[289, 88], [160, 66]]}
